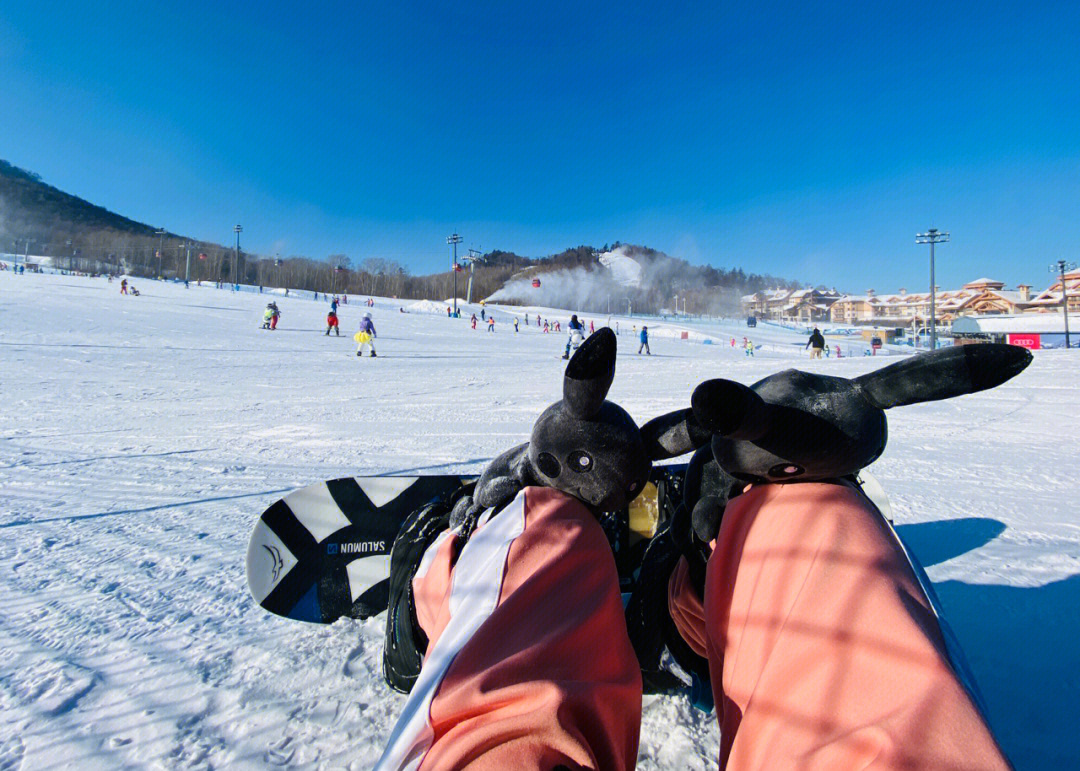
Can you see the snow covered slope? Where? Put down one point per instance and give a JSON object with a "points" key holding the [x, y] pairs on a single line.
{"points": [[140, 437], [624, 269]]}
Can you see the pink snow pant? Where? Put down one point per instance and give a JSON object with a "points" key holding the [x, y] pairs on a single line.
{"points": [[528, 663], [824, 651]]}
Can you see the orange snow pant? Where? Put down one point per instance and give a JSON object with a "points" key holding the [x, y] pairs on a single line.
{"points": [[528, 665], [824, 650]]}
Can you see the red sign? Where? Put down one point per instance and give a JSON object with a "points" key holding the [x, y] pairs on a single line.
{"points": [[1032, 341]]}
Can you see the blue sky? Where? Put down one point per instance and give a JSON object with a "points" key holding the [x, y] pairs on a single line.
{"points": [[809, 142]]}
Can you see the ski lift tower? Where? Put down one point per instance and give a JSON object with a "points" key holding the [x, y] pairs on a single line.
{"points": [[455, 239], [473, 256]]}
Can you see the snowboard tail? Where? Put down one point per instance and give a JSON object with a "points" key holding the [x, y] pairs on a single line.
{"points": [[323, 552]]}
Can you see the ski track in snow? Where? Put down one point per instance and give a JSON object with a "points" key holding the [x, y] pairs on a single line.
{"points": [[140, 437]]}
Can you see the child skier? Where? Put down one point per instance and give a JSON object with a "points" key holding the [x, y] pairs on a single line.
{"points": [[332, 323], [644, 337], [366, 336], [490, 323], [749, 347], [516, 324], [123, 286], [474, 321]]}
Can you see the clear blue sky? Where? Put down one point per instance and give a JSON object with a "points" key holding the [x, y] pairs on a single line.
{"points": [[776, 136]]}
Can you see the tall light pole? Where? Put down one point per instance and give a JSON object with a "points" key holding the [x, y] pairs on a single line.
{"points": [[1061, 267], [236, 256], [455, 240], [932, 236], [160, 233]]}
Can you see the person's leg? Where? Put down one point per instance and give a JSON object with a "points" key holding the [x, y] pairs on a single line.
{"points": [[824, 647], [518, 675]]}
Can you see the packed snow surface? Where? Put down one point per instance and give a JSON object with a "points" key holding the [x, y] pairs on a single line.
{"points": [[141, 437]]}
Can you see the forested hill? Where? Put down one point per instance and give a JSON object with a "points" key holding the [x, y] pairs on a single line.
{"points": [[74, 234], [31, 208]]}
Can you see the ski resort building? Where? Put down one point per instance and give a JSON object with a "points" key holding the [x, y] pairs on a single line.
{"points": [[983, 296], [1050, 299], [1029, 330], [790, 305]]}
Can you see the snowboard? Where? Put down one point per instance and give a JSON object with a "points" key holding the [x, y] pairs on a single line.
{"points": [[323, 552]]}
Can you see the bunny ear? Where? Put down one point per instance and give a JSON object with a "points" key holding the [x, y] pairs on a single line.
{"points": [[730, 409], [674, 434], [589, 374], [956, 371]]}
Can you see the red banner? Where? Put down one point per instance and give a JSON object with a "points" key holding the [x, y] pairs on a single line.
{"points": [[1030, 341]]}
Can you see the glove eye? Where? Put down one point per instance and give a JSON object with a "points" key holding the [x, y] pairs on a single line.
{"points": [[548, 464], [580, 462]]}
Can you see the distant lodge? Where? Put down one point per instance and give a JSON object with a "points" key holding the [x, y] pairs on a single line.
{"points": [[982, 297]]}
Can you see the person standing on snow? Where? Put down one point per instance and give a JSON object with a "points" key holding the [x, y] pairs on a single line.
{"points": [[644, 337], [577, 335], [332, 323], [366, 336], [482, 314], [490, 323], [516, 324], [334, 304], [816, 343], [123, 286], [474, 321]]}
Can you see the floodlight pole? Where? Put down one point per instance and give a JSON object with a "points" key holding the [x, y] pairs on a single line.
{"points": [[932, 236], [236, 256], [455, 239], [187, 263], [1063, 266]]}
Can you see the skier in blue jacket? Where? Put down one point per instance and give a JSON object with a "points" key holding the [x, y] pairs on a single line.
{"points": [[577, 335], [644, 337]]}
